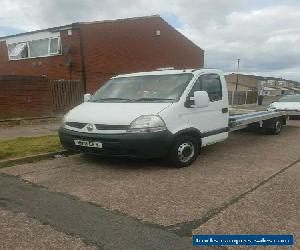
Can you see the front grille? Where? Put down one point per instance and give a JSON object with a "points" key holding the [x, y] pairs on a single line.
{"points": [[98, 126], [76, 124], [111, 127]]}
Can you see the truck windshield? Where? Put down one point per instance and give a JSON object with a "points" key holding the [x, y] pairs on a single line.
{"points": [[147, 88]]}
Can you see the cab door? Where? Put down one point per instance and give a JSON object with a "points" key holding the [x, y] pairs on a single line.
{"points": [[211, 121]]}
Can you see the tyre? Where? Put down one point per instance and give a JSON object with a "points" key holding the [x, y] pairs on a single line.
{"points": [[184, 151], [276, 127]]}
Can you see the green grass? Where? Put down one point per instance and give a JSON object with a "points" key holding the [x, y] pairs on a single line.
{"points": [[25, 146]]}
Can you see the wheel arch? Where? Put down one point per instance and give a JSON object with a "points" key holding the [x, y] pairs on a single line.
{"points": [[270, 122], [189, 131]]}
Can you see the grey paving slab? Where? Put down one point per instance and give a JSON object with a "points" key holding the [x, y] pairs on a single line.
{"points": [[273, 208], [17, 231], [92, 223], [28, 130]]}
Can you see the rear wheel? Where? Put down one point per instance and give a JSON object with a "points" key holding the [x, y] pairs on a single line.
{"points": [[276, 127], [184, 151]]}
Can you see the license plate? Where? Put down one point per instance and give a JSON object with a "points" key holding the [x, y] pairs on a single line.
{"points": [[90, 144]]}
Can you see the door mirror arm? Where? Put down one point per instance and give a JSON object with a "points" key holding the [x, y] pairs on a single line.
{"points": [[188, 102]]}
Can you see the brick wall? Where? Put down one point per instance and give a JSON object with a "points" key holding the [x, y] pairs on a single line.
{"points": [[111, 48], [232, 85], [244, 81], [24, 96], [53, 66], [131, 45]]}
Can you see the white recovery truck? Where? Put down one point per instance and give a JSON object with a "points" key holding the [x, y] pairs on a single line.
{"points": [[165, 113]]}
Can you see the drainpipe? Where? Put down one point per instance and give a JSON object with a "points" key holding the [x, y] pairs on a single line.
{"points": [[237, 75], [82, 62]]}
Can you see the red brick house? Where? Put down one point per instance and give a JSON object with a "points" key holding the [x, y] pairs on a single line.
{"points": [[95, 51]]}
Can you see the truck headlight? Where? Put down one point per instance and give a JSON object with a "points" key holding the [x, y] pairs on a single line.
{"points": [[146, 124]]}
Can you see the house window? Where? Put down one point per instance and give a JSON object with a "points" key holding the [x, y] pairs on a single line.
{"points": [[18, 51], [54, 46], [35, 48], [38, 48]]}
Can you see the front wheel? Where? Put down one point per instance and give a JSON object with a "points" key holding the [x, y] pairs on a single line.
{"points": [[184, 151]]}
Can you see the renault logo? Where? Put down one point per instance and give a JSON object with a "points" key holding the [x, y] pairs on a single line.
{"points": [[89, 127]]}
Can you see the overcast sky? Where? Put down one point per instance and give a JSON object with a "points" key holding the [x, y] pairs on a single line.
{"points": [[265, 35]]}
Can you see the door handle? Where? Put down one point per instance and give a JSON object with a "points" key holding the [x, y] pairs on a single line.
{"points": [[224, 110]]}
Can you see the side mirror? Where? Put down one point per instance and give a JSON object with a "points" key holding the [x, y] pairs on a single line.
{"points": [[86, 97], [201, 99]]}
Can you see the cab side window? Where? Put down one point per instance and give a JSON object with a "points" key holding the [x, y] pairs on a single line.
{"points": [[212, 85]]}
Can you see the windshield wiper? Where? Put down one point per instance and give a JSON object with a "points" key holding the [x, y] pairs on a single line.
{"points": [[111, 99], [152, 99]]}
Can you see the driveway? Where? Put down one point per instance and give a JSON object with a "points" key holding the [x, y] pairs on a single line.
{"points": [[243, 185]]}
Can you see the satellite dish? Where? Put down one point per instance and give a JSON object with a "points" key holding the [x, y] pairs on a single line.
{"points": [[68, 63], [67, 50]]}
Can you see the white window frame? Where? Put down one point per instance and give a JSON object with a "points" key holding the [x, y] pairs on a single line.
{"points": [[22, 45], [58, 46], [59, 52]]}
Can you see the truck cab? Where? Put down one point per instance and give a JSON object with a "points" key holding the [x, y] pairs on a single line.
{"points": [[164, 113]]}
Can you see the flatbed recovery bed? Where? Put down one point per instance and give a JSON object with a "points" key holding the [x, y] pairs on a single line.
{"points": [[237, 122]]}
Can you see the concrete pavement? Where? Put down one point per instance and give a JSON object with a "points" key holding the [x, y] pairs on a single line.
{"points": [[28, 130], [154, 192], [96, 225], [18, 231], [273, 208], [181, 201]]}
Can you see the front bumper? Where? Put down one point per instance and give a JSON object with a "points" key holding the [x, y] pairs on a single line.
{"points": [[143, 145]]}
